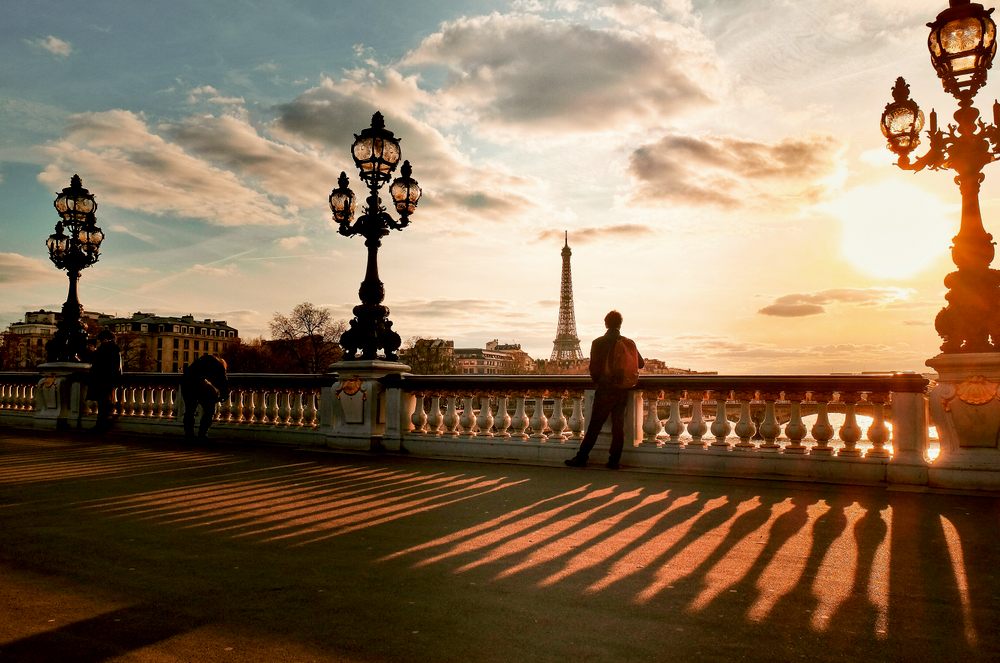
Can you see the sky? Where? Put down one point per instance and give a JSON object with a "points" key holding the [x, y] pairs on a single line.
{"points": [[718, 165]]}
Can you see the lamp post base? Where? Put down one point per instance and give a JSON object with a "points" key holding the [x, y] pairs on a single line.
{"points": [[965, 408], [60, 395]]}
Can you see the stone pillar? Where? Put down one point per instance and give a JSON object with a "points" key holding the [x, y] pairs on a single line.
{"points": [[358, 405], [965, 407], [59, 395]]}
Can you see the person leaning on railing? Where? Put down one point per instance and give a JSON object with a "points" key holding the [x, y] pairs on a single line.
{"points": [[204, 383]]}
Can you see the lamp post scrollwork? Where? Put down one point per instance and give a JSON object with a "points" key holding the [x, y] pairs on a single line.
{"points": [[962, 43], [376, 153], [74, 246]]}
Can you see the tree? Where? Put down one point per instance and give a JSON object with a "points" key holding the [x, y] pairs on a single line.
{"points": [[135, 355], [309, 336], [429, 356], [249, 356]]}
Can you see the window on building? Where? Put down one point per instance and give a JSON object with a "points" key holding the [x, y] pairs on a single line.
{"points": [[177, 329], [213, 332], [185, 358], [175, 355], [144, 328], [196, 344], [159, 342], [195, 355], [159, 367], [175, 366], [204, 331], [187, 344], [176, 343], [215, 346], [159, 354]]}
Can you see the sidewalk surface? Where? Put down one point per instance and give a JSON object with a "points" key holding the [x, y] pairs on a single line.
{"points": [[124, 548]]}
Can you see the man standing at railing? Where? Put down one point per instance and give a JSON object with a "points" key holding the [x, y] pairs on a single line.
{"points": [[204, 383], [614, 366]]}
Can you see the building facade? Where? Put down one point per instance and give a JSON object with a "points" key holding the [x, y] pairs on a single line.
{"points": [[168, 344]]}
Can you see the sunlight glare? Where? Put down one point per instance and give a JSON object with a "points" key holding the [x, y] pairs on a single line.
{"points": [[893, 229]]}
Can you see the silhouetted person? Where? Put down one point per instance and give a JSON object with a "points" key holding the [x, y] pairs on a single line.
{"points": [[204, 384], [105, 376], [614, 368]]}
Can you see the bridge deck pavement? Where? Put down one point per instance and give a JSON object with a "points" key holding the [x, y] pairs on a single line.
{"points": [[125, 548]]}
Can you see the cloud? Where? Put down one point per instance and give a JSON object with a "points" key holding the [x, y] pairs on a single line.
{"points": [[16, 269], [519, 72], [292, 242], [304, 176], [731, 172], [129, 166], [54, 45], [456, 192], [805, 304], [599, 233]]}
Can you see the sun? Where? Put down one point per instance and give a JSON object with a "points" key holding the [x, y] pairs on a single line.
{"points": [[893, 229]]}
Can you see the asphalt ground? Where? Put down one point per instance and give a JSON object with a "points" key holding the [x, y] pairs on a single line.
{"points": [[125, 548]]}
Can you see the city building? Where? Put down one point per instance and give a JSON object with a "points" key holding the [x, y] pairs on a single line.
{"points": [[168, 344], [24, 346], [494, 359]]}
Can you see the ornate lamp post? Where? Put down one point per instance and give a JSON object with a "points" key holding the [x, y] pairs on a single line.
{"points": [[376, 153], [962, 44], [964, 404], [74, 246]]}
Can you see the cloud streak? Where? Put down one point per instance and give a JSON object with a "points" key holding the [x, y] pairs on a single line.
{"points": [[730, 172], [799, 305]]}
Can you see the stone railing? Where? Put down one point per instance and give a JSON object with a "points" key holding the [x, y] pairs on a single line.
{"points": [[747, 426], [700, 424]]}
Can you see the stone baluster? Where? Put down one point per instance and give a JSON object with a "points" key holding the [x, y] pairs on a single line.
{"points": [[145, 402], [795, 430], [467, 421], [485, 419], [519, 424], [11, 396], [272, 407], [558, 423], [451, 417], [6, 392], [850, 432], [310, 411], [295, 414], [697, 426], [822, 431], [745, 428], [155, 402], [538, 420], [419, 417], [240, 409], [284, 410], [246, 406], [878, 432], [721, 426], [226, 408], [674, 427], [576, 423], [434, 418], [133, 403], [253, 407], [502, 420], [769, 429], [651, 426]]}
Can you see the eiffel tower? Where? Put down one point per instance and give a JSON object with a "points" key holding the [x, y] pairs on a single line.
{"points": [[566, 345]]}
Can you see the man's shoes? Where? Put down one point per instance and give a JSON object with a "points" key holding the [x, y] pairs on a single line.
{"points": [[577, 462], [612, 465]]}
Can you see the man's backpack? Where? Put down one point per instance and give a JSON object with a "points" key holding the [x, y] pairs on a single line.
{"points": [[621, 366]]}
